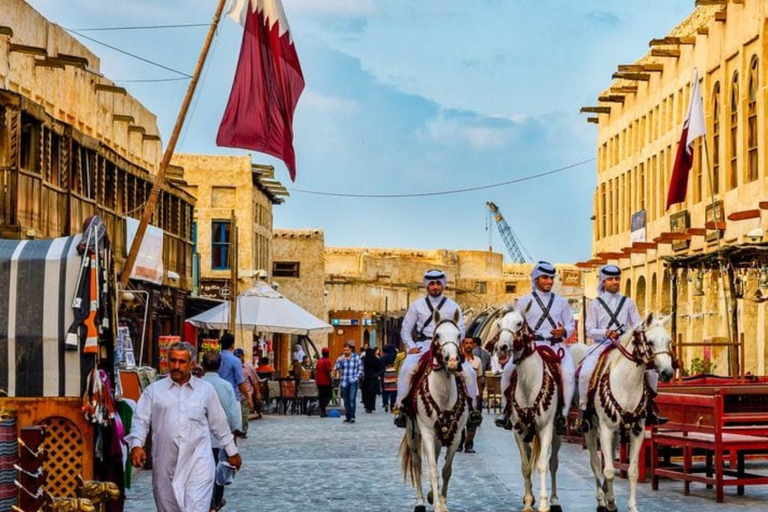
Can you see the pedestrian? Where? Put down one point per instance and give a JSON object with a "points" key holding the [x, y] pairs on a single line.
{"points": [[551, 320], [419, 320], [388, 378], [608, 317], [324, 381], [232, 371], [298, 353], [351, 370], [182, 465], [371, 377], [253, 387], [211, 364], [468, 434], [485, 358], [265, 370]]}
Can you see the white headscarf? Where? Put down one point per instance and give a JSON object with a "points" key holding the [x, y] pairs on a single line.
{"points": [[435, 275], [542, 268], [606, 272]]}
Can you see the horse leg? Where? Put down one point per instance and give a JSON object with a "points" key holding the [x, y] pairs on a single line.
{"points": [[447, 467], [415, 444], [594, 462], [526, 465], [554, 463], [635, 444], [431, 453], [545, 438], [606, 446]]}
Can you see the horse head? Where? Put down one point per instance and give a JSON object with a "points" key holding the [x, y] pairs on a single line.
{"points": [[659, 341], [446, 343], [512, 334]]}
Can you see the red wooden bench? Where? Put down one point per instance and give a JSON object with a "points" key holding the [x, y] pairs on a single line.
{"points": [[700, 424]]}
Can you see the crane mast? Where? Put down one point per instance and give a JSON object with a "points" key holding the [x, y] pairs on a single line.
{"points": [[513, 247]]}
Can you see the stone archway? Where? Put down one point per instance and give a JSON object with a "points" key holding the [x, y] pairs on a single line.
{"points": [[640, 296], [628, 288], [665, 301], [653, 303]]}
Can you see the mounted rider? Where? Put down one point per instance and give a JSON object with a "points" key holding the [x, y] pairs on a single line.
{"points": [[551, 319], [416, 333], [609, 316]]}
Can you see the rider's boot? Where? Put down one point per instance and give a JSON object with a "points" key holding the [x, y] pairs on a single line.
{"points": [[400, 418], [502, 421], [585, 424], [560, 427], [651, 416]]}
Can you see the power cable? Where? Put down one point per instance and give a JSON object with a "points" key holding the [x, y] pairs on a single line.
{"points": [[130, 54], [144, 27], [448, 192], [152, 80]]}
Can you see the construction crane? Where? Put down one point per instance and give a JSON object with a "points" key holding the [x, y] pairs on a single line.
{"points": [[514, 247]]}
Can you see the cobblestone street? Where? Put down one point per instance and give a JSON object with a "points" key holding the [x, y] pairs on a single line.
{"points": [[295, 463]]}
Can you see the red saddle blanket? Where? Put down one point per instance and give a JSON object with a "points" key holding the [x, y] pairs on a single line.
{"points": [[595, 378], [551, 360]]}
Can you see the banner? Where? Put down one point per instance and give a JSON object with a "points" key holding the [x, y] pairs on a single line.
{"points": [[149, 261]]}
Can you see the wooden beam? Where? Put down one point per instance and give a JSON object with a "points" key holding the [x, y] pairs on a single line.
{"points": [[149, 136], [126, 118], [703, 31], [110, 88], [633, 250], [665, 52], [597, 261], [31, 50], [595, 110], [661, 240], [644, 77], [711, 2], [644, 245], [630, 68], [763, 205], [696, 231], [134, 128], [668, 235], [611, 98], [49, 63], [710, 224], [653, 67], [610, 255], [672, 41], [584, 264], [6, 31], [593, 120], [73, 60], [721, 16], [624, 89], [744, 215]]}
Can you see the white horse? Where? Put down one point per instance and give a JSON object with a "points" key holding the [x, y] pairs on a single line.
{"points": [[441, 408], [532, 409], [621, 399]]}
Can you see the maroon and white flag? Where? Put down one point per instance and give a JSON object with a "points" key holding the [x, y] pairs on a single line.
{"points": [[693, 128], [268, 83]]}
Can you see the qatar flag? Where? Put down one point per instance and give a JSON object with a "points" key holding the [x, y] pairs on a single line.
{"points": [[693, 128], [268, 83]]}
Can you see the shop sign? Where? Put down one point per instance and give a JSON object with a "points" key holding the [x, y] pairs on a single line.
{"points": [[214, 289], [637, 227], [149, 261], [679, 222]]}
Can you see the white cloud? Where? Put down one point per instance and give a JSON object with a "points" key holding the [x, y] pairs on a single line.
{"points": [[317, 101], [359, 8], [460, 131]]}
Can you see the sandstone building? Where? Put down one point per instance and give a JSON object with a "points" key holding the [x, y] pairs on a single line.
{"points": [[677, 260]]}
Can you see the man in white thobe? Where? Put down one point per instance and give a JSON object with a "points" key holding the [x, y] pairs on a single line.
{"points": [[609, 316], [551, 319], [416, 333], [183, 412]]}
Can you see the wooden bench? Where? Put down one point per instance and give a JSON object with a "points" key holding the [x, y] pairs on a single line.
{"points": [[700, 424]]}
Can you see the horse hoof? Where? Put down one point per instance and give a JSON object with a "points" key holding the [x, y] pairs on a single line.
{"points": [[420, 508], [556, 508], [602, 509], [430, 498]]}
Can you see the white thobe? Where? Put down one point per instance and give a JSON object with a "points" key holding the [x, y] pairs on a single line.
{"points": [[415, 319], [182, 418], [560, 313]]}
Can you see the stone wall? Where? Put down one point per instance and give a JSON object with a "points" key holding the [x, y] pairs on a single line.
{"points": [[306, 247]]}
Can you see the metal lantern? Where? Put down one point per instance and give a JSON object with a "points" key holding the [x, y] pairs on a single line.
{"points": [[762, 280], [738, 287], [698, 284]]}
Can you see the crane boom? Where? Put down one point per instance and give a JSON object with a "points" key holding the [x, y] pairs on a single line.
{"points": [[513, 247]]}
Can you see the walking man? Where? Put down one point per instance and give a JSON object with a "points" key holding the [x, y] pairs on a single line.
{"points": [[551, 319], [211, 364], [608, 317], [183, 412], [474, 362], [324, 381], [232, 371], [351, 370], [416, 333]]}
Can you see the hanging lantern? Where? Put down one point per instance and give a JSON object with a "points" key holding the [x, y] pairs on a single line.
{"points": [[738, 287], [762, 280], [698, 284]]}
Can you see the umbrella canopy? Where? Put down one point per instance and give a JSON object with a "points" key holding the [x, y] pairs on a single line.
{"points": [[263, 309]]}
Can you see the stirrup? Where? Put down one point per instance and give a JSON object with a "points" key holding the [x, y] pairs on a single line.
{"points": [[502, 421], [653, 419], [400, 420], [475, 419], [585, 424], [560, 426]]}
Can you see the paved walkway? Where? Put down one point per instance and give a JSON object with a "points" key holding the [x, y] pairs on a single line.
{"points": [[295, 463]]}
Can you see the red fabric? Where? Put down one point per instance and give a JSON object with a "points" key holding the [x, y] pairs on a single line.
{"points": [[678, 184], [268, 83], [190, 333], [323, 372]]}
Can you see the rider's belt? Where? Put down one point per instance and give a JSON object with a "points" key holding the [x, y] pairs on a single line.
{"points": [[550, 339], [419, 339]]}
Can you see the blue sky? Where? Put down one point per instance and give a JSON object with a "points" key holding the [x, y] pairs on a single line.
{"points": [[408, 96]]}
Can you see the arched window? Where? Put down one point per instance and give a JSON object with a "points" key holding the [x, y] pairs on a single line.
{"points": [[715, 139], [752, 121], [733, 173], [640, 295]]}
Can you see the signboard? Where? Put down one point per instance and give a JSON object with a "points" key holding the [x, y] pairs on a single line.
{"points": [[149, 261], [710, 217], [345, 321], [637, 227], [679, 222], [570, 278], [214, 288]]}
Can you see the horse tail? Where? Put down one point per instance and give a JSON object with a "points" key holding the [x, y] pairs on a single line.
{"points": [[406, 455], [535, 450]]}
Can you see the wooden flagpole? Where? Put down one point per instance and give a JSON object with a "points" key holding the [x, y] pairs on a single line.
{"points": [[149, 206]]}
